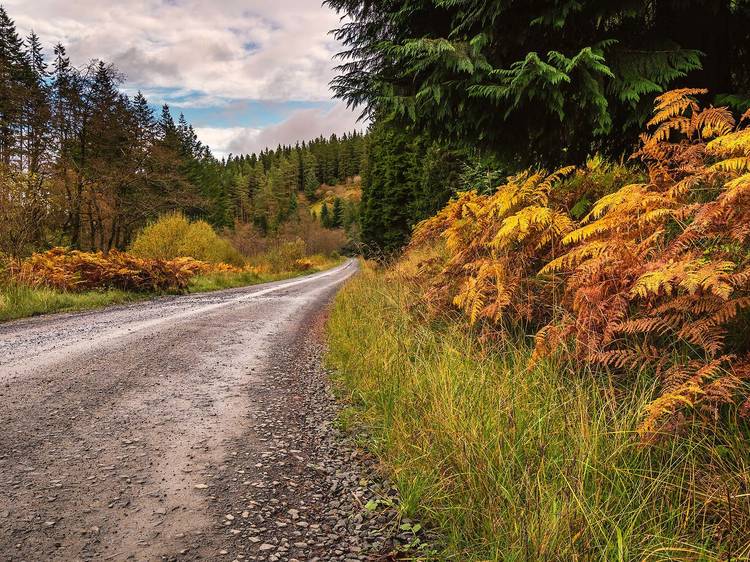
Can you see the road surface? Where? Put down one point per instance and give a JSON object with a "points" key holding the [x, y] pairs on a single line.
{"points": [[116, 425]]}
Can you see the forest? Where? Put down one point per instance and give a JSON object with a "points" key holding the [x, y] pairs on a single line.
{"points": [[546, 347], [87, 167], [549, 349]]}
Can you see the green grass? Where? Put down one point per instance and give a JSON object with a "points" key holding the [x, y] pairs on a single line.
{"points": [[19, 301], [510, 464], [218, 281]]}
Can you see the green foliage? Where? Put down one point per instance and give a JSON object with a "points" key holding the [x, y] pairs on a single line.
{"points": [[325, 216], [536, 82], [337, 213], [21, 301], [388, 188], [285, 255], [406, 179]]}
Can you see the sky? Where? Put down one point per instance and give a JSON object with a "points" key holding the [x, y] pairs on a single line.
{"points": [[246, 73]]}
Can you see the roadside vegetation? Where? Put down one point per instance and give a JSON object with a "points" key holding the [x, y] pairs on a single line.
{"points": [[511, 462], [550, 355], [160, 262], [547, 378]]}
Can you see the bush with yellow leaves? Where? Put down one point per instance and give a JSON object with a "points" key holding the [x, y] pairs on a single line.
{"points": [[656, 274], [71, 270], [174, 236]]}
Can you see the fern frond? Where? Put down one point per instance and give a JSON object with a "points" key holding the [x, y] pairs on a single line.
{"points": [[674, 103], [738, 164]]}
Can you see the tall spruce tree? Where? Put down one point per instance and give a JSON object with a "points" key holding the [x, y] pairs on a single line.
{"points": [[545, 81], [337, 214]]}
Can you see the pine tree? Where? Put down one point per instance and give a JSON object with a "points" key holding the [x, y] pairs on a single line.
{"points": [[13, 69], [35, 109], [310, 179], [337, 217], [325, 216], [388, 189]]}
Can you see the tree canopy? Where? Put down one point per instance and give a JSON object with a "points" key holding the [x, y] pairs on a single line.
{"points": [[527, 79]]}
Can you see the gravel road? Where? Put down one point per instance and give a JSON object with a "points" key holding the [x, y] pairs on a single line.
{"points": [[184, 428]]}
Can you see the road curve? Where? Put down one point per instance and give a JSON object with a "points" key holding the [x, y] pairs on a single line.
{"points": [[110, 418]]}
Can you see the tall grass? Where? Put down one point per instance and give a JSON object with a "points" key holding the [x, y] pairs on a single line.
{"points": [[20, 301], [512, 464]]}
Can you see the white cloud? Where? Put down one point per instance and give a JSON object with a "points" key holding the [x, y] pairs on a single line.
{"points": [[207, 54], [243, 49], [304, 124]]}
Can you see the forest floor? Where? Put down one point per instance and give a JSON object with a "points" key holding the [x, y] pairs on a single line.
{"points": [[184, 428]]}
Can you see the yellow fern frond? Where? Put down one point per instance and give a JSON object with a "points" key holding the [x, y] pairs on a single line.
{"points": [[684, 394], [674, 103], [730, 144], [625, 193], [738, 165], [575, 257], [715, 122]]}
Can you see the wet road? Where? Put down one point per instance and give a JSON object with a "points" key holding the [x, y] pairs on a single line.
{"points": [[110, 420]]}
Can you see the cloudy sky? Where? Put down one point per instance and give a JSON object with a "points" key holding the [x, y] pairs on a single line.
{"points": [[246, 73]]}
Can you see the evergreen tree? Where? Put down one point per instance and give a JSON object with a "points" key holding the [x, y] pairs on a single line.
{"points": [[35, 117], [310, 178], [14, 68], [337, 216], [389, 188], [537, 82], [325, 216]]}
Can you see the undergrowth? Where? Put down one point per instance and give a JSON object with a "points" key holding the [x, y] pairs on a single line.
{"points": [[20, 300], [512, 462]]}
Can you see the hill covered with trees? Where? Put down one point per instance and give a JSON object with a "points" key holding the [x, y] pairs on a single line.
{"points": [[86, 166]]}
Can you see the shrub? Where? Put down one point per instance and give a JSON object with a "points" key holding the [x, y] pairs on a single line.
{"points": [[285, 256], [655, 274], [174, 236], [318, 240], [71, 270]]}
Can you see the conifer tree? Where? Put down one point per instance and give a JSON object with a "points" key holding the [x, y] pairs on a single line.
{"points": [[310, 179], [325, 216], [561, 77], [337, 216]]}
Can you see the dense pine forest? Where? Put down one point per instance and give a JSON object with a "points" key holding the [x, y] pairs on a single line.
{"points": [[86, 166], [461, 93]]}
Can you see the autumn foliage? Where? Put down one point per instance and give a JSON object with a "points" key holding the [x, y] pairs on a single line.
{"points": [[71, 270], [656, 274]]}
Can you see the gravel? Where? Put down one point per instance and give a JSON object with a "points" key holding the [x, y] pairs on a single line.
{"points": [[313, 494], [186, 428]]}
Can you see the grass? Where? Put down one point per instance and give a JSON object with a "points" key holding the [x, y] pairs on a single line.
{"points": [[510, 464], [19, 301]]}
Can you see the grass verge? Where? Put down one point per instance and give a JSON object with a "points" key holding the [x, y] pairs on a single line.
{"points": [[19, 301], [511, 464]]}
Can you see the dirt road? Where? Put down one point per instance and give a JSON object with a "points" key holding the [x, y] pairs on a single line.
{"points": [[125, 433]]}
